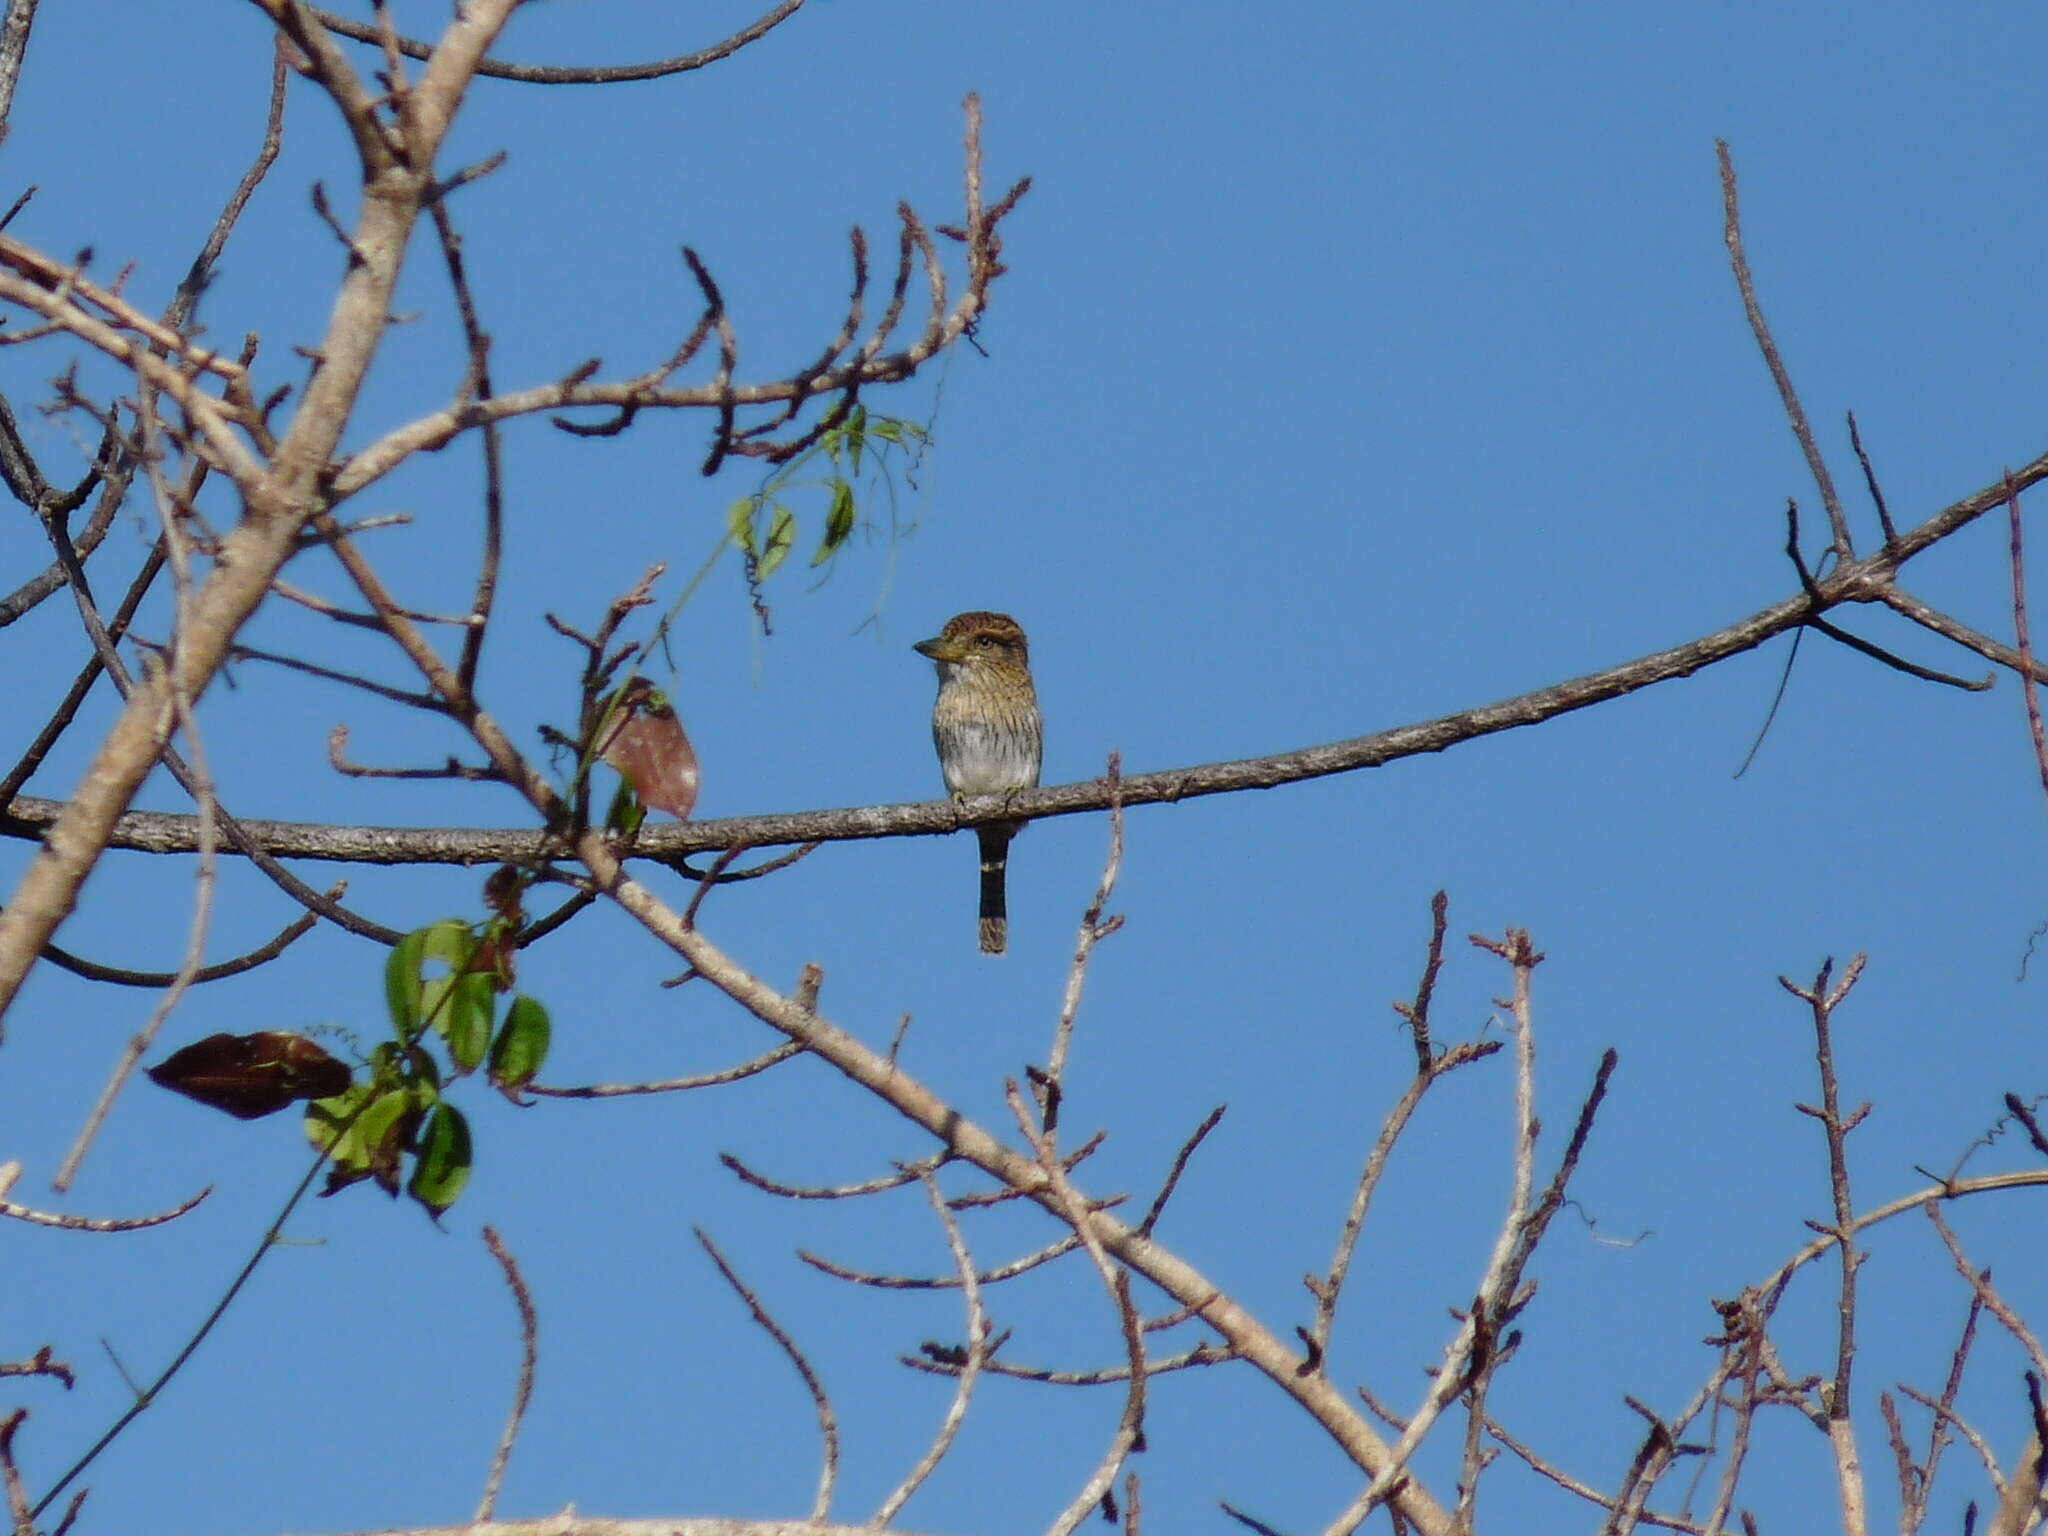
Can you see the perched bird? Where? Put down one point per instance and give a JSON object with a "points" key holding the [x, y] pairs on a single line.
{"points": [[990, 737]]}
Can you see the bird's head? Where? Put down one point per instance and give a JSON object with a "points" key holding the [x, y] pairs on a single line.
{"points": [[978, 640]]}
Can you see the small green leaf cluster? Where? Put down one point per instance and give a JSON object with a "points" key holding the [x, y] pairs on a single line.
{"points": [[442, 983], [762, 524]]}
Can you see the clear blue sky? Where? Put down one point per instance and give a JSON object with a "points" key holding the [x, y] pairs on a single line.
{"points": [[1356, 365]]}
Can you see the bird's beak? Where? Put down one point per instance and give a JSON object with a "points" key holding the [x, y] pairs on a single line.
{"points": [[938, 648]]}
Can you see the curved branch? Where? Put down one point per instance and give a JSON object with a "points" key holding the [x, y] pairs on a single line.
{"points": [[996, 1276], [92, 970], [828, 1421], [34, 1217], [594, 74], [745, 1069], [1930, 1197]]}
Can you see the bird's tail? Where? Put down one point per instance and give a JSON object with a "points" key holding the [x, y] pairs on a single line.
{"points": [[995, 905]]}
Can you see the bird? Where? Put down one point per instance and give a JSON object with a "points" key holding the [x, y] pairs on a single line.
{"points": [[990, 737]]}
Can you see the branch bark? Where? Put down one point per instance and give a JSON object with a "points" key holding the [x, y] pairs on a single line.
{"points": [[1863, 581]]}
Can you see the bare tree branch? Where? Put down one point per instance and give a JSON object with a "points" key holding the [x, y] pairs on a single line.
{"points": [[600, 74], [1857, 581]]}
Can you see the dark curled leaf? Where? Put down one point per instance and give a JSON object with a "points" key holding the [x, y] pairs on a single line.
{"points": [[250, 1076], [502, 891]]}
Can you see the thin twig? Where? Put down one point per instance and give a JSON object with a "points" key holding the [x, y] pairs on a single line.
{"points": [[1585, 1491], [905, 1174], [1884, 513], [92, 970], [1451, 1371], [1074, 1208], [476, 386], [2019, 621], [201, 783], [1001, 1272], [529, 1356], [1094, 929], [148, 1396], [1750, 1317], [1946, 1414], [1429, 1067], [601, 74], [978, 1331], [66, 1223], [1107, 1376], [19, 1518], [1899, 600], [1937, 1430], [1980, 1285], [1731, 233], [828, 1422], [745, 1069], [1822, 999], [1180, 1163]]}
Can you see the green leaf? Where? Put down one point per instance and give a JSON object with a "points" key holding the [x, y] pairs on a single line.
{"points": [[739, 522], [413, 1002], [781, 540], [424, 1075], [363, 1142], [402, 983], [838, 522], [626, 811], [856, 436], [451, 939], [466, 1021], [443, 1164], [521, 1046], [326, 1117], [453, 943]]}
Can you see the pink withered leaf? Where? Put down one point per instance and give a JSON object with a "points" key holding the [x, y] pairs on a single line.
{"points": [[647, 744]]}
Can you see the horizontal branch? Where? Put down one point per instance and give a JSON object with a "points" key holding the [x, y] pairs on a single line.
{"points": [[568, 1524], [1858, 581]]}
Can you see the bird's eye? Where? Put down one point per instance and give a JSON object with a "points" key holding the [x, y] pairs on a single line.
{"points": [[984, 641]]}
